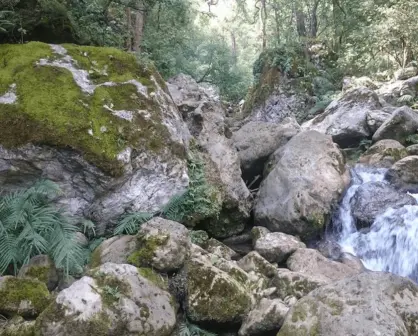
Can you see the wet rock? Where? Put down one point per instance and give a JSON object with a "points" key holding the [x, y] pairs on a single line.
{"points": [[404, 173], [373, 199]]}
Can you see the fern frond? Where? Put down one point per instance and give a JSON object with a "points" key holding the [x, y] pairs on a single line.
{"points": [[131, 222], [30, 225]]}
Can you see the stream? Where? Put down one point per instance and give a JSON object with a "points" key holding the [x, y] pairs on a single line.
{"points": [[391, 243]]}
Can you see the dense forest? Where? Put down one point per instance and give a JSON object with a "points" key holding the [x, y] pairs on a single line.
{"points": [[218, 41], [208, 167]]}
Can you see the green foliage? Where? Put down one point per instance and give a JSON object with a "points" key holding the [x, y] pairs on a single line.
{"points": [[199, 202], [31, 225], [188, 329], [412, 139], [131, 222], [5, 23]]}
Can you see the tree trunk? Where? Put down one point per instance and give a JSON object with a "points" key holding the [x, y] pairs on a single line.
{"points": [[129, 27], [314, 19], [263, 14], [277, 21], [300, 22], [138, 29], [234, 48]]}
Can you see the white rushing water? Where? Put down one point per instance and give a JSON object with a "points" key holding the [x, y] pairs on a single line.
{"points": [[391, 244]]}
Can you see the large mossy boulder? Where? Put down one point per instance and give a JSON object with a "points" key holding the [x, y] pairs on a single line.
{"points": [[23, 297], [94, 120], [205, 118], [367, 304], [113, 300], [305, 179]]}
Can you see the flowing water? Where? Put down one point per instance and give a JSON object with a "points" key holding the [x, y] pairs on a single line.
{"points": [[391, 244]]}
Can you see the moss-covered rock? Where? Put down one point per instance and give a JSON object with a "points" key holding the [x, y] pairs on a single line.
{"points": [[213, 295], [17, 327], [161, 244], [114, 300], [348, 307], [280, 87], [229, 197], [25, 297], [52, 108], [96, 121], [115, 250], [41, 268], [199, 237]]}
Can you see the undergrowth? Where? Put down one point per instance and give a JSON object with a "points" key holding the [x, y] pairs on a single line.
{"points": [[31, 225], [198, 202]]}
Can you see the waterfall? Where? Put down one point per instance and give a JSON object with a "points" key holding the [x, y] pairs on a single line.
{"points": [[391, 243]]}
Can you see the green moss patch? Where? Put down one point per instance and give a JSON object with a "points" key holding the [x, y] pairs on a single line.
{"points": [[220, 299], [111, 288], [40, 273], [153, 276], [147, 247], [14, 291], [51, 108], [97, 325]]}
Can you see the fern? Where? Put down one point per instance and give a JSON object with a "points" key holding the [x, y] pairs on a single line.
{"points": [[199, 202], [406, 99], [131, 222], [30, 225]]}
